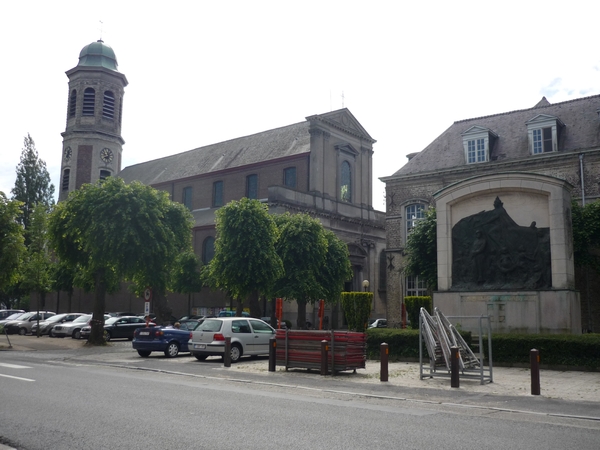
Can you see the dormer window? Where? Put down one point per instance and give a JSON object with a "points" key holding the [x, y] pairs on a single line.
{"points": [[543, 131], [477, 143]]}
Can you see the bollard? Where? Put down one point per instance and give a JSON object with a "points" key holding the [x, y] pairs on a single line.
{"points": [[383, 358], [534, 360], [324, 351], [272, 353], [227, 353], [454, 376]]}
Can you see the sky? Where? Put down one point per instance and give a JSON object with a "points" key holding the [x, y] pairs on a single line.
{"points": [[202, 72]]}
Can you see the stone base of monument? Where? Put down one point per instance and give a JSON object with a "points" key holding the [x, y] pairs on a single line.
{"points": [[549, 311]]}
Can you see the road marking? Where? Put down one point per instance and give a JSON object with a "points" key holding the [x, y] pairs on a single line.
{"points": [[14, 366], [16, 378]]}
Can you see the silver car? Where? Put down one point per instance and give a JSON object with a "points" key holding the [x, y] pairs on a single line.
{"points": [[47, 325], [248, 337], [23, 324], [72, 329]]}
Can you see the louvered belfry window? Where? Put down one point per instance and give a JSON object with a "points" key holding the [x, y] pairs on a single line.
{"points": [[89, 100], [108, 105]]}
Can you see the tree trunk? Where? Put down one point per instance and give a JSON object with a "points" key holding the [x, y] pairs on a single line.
{"points": [[97, 322], [58, 302], [70, 297], [161, 308], [239, 307], [301, 322], [254, 305]]}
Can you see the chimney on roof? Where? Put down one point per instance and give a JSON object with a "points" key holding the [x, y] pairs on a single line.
{"points": [[542, 102], [412, 155]]}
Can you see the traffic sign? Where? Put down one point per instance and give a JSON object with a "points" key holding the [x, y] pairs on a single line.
{"points": [[147, 294]]}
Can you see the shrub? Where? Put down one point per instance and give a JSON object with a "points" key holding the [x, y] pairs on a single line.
{"points": [[413, 308]]}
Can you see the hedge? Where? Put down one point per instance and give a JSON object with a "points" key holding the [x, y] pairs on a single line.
{"points": [[575, 351]]}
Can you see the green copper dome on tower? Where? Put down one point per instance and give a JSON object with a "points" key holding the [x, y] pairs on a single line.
{"points": [[98, 54]]}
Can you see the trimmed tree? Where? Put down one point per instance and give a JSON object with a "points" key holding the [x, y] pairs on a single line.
{"points": [[112, 231], [302, 246], [245, 263]]}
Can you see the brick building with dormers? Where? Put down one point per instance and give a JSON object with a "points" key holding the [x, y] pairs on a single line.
{"points": [[561, 140]]}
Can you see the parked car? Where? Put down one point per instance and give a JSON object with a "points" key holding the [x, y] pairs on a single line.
{"points": [[87, 329], [122, 327], [12, 317], [168, 340], [378, 323], [72, 329], [190, 324], [23, 323], [248, 337], [5, 313], [47, 325]]}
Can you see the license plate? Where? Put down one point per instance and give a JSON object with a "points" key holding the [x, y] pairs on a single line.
{"points": [[144, 333], [199, 345]]}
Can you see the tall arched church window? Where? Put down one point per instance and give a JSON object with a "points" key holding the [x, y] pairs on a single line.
{"points": [[346, 182], [65, 179], [289, 177], [208, 249], [73, 103], [89, 101], [108, 105], [414, 213]]}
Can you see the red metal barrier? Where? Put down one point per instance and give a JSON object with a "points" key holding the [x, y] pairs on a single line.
{"points": [[302, 349]]}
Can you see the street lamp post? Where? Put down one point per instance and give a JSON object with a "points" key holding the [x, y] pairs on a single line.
{"points": [[365, 285]]}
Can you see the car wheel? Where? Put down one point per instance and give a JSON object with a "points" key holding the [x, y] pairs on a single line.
{"points": [[76, 334], [51, 333], [144, 353], [172, 350], [236, 353], [22, 331], [201, 357], [106, 335]]}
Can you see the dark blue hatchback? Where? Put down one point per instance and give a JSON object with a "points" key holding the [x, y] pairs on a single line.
{"points": [[169, 340]]}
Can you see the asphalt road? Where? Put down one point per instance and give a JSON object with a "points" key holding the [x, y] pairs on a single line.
{"points": [[111, 398]]}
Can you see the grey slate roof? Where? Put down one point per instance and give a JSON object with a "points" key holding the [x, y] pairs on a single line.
{"points": [[269, 145], [581, 132]]}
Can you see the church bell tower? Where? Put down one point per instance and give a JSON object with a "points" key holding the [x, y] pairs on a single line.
{"points": [[92, 142]]}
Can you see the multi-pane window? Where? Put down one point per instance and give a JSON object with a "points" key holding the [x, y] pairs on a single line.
{"points": [[104, 174], [252, 186], [476, 151], [542, 140], [65, 179], [415, 286], [187, 197], [414, 213], [289, 177], [208, 249], [346, 182], [218, 193], [73, 103], [89, 100], [108, 105]]}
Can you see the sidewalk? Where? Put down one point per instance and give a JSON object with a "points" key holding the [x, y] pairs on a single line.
{"points": [[507, 381]]}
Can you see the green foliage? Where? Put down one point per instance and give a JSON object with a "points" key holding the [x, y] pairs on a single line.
{"points": [[413, 308], [336, 269], [586, 234], [12, 247], [112, 231], [245, 260], [32, 186], [186, 275], [421, 248], [38, 268], [357, 309]]}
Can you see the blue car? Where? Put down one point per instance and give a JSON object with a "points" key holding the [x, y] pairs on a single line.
{"points": [[169, 340]]}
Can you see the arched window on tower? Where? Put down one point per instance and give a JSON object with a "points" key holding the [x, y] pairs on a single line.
{"points": [[104, 174], [65, 179], [346, 182], [208, 249], [73, 103], [108, 106], [89, 100]]}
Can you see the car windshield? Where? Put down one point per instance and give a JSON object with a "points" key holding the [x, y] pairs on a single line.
{"points": [[83, 318], [15, 316], [111, 320], [210, 325], [26, 316], [190, 326], [56, 318]]}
